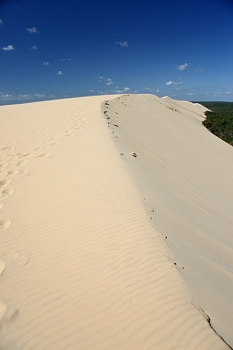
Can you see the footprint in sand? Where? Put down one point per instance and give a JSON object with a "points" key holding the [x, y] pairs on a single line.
{"points": [[9, 315], [3, 166], [3, 309], [44, 155], [8, 148], [13, 156], [5, 182], [9, 255], [12, 172], [22, 163], [23, 172], [23, 154], [4, 224], [8, 192], [6, 314], [1, 206], [2, 267], [53, 144]]}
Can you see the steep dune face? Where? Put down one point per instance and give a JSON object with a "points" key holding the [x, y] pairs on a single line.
{"points": [[185, 175]]}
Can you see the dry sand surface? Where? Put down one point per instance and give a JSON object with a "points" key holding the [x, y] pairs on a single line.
{"points": [[82, 264], [185, 174]]}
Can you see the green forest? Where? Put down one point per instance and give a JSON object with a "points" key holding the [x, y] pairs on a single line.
{"points": [[219, 120]]}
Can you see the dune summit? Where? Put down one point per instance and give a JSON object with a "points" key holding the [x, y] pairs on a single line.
{"points": [[82, 264]]}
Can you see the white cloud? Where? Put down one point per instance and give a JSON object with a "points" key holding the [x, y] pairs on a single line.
{"points": [[5, 96], [22, 96], [150, 89], [34, 48], [229, 93], [1, 23], [109, 81], [122, 43], [45, 63], [170, 82], [118, 91], [65, 59], [32, 30], [39, 95], [59, 72], [8, 48], [182, 66]]}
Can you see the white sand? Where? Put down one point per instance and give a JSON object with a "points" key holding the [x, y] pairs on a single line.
{"points": [[82, 266], [185, 174]]}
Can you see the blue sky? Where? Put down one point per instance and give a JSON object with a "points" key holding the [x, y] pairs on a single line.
{"points": [[67, 48]]}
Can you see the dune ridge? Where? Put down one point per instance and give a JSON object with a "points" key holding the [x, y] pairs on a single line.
{"points": [[81, 265], [185, 174]]}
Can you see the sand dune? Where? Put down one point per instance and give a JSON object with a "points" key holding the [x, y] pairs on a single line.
{"points": [[81, 265], [185, 174]]}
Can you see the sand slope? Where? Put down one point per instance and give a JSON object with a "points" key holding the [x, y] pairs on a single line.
{"points": [[185, 174], [81, 265]]}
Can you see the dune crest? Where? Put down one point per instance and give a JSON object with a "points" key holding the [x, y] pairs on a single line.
{"points": [[82, 267]]}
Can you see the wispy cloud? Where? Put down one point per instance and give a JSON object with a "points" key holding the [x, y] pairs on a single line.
{"points": [[5, 96], [100, 79], [59, 72], [182, 66], [122, 43], [32, 30], [65, 59], [109, 81], [1, 23], [150, 89], [8, 48], [24, 96], [118, 91], [170, 82], [39, 95], [34, 48], [45, 63], [9, 97], [198, 69]]}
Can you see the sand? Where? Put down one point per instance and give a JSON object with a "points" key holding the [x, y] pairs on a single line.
{"points": [[82, 264]]}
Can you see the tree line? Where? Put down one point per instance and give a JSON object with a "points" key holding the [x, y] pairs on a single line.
{"points": [[219, 120]]}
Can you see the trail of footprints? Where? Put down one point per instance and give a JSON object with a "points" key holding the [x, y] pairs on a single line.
{"points": [[13, 166]]}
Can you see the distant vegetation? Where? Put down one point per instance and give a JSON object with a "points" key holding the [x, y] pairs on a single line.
{"points": [[220, 120]]}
